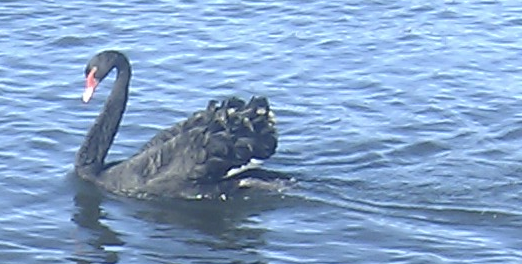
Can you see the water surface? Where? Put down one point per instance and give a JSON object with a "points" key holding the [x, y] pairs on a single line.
{"points": [[399, 119]]}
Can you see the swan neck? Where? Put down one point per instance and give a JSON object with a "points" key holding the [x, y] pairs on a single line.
{"points": [[91, 155]]}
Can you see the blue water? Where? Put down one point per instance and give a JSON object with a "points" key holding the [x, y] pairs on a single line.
{"points": [[400, 120]]}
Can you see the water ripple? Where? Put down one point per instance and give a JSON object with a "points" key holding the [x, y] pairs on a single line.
{"points": [[400, 121]]}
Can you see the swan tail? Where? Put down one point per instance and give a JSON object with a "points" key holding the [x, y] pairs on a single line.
{"points": [[254, 127], [237, 137]]}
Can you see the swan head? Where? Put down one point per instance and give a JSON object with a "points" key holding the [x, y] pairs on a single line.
{"points": [[98, 68]]}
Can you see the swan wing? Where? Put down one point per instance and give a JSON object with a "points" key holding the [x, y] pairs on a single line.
{"points": [[209, 147]]}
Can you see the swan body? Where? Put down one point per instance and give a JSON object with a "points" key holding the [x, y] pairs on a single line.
{"points": [[200, 157]]}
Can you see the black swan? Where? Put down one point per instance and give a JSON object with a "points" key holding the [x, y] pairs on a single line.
{"points": [[198, 158]]}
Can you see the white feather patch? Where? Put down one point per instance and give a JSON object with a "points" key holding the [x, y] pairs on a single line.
{"points": [[252, 164]]}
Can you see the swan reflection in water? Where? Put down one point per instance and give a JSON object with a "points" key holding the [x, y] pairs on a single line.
{"points": [[174, 228]]}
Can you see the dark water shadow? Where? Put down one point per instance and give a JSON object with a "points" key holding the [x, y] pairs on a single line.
{"points": [[226, 222], [92, 235]]}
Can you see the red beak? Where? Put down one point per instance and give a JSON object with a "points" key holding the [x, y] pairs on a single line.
{"points": [[90, 85]]}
